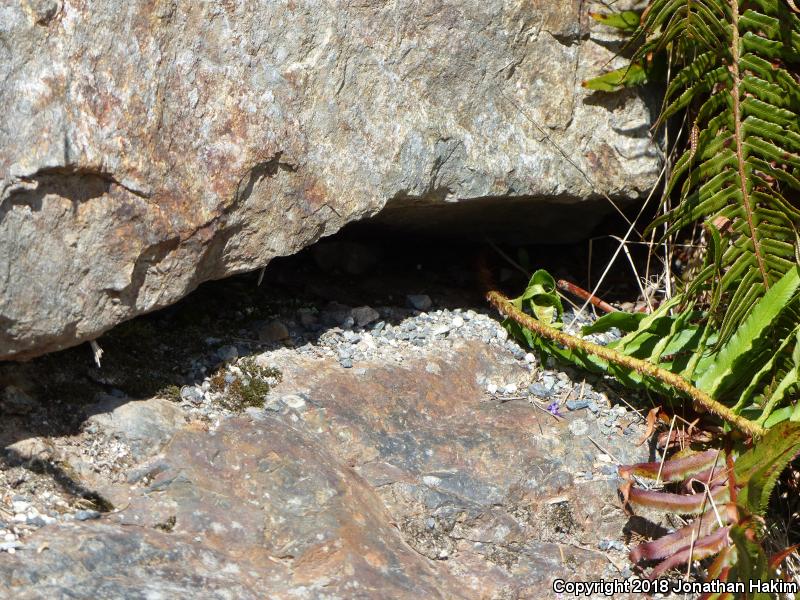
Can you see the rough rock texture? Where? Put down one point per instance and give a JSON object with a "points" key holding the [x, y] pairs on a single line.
{"points": [[402, 481], [146, 147], [143, 425]]}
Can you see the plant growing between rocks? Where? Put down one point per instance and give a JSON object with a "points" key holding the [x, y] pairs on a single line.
{"points": [[244, 385], [727, 341]]}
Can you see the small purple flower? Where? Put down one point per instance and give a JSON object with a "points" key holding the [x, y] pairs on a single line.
{"points": [[553, 408]]}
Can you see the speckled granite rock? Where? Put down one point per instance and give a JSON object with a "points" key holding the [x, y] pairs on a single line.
{"points": [[398, 481], [146, 147]]}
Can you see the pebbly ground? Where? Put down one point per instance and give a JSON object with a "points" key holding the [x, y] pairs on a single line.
{"points": [[314, 448]]}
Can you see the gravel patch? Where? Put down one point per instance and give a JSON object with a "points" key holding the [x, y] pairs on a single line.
{"points": [[233, 375]]}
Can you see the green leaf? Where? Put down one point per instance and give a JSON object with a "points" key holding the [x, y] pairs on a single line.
{"points": [[759, 468], [542, 298], [767, 367], [624, 321], [730, 362], [627, 20], [733, 89], [778, 416], [751, 562], [632, 75], [789, 380]]}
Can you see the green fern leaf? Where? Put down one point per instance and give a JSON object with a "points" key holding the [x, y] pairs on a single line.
{"points": [[745, 166], [724, 366], [758, 468]]}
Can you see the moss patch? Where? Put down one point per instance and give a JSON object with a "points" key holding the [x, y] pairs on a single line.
{"points": [[248, 389], [171, 393]]}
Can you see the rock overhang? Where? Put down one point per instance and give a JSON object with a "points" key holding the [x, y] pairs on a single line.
{"points": [[147, 148]]}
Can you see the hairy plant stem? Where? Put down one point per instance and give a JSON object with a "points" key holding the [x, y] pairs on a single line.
{"points": [[506, 308]]}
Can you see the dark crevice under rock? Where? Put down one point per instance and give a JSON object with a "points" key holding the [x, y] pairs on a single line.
{"points": [[511, 219], [397, 476]]}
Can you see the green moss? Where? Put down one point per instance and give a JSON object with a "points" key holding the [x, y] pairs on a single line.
{"points": [[167, 525], [248, 390], [155, 353], [217, 381], [171, 393]]}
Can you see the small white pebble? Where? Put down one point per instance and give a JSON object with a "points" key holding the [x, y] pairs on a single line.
{"points": [[458, 322], [431, 480], [530, 358], [510, 388], [491, 388], [578, 427], [12, 551], [433, 367]]}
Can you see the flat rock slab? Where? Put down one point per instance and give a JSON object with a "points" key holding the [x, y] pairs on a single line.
{"points": [[388, 481]]}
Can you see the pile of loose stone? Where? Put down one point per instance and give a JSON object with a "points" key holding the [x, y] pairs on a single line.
{"points": [[29, 502], [353, 335]]}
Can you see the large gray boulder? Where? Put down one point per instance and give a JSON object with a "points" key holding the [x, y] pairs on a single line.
{"points": [[146, 147]]}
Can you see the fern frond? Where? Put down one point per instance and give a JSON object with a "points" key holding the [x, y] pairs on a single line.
{"points": [[745, 166], [731, 339]]}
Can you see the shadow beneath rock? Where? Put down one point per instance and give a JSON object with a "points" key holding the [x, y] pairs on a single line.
{"points": [[68, 482], [299, 301]]}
